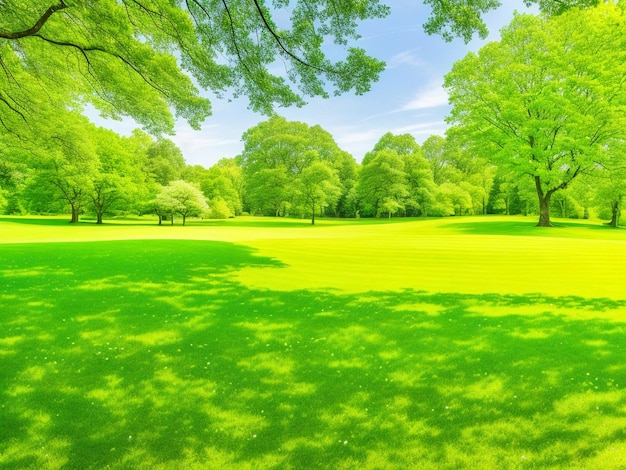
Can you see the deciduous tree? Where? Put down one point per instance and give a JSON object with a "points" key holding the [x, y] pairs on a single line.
{"points": [[276, 153], [180, 197], [138, 57], [382, 184], [547, 98], [318, 186]]}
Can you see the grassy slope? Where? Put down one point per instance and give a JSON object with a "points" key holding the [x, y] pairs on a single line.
{"points": [[345, 345]]}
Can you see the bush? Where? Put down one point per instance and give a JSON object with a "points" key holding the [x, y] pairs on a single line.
{"points": [[218, 209]]}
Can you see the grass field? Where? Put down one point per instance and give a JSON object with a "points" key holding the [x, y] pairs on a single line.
{"points": [[259, 343]]}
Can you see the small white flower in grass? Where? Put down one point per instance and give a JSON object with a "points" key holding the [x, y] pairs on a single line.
{"points": [[345, 442]]}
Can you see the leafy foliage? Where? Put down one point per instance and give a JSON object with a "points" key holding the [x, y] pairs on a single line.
{"points": [[276, 156], [180, 197], [137, 58], [547, 99]]}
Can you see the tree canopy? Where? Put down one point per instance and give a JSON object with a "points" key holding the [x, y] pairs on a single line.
{"points": [[547, 99], [144, 58], [148, 59], [276, 163]]}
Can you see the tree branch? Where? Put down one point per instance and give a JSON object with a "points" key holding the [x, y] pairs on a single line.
{"points": [[280, 42], [84, 49], [37, 26]]}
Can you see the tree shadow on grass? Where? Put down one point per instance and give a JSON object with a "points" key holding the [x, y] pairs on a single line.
{"points": [[145, 354], [528, 227], [35, 220]]}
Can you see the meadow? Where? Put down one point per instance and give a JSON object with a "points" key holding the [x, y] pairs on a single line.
{"points": [[257, 343]]}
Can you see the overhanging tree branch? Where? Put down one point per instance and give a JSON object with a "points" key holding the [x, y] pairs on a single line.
{"points": [[83, 50], [280, 42], [37, 26]]}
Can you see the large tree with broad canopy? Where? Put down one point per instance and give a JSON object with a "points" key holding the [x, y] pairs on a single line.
{"points": [[546, 100]]}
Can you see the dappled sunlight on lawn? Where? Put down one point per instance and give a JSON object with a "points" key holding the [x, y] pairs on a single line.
{"points": [[151, 355]]}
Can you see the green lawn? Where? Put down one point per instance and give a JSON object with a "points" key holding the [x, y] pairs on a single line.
{"points": [[259, 343]]}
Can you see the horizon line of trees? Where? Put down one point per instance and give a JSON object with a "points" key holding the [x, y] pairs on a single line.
{"points": [[287, 169], [538, 125]]}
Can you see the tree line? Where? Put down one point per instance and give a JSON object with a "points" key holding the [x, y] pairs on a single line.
{"points": [[287, 169], [538, 120]]}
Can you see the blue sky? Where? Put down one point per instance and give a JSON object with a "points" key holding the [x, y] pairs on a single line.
{"points": [[408, 98]]}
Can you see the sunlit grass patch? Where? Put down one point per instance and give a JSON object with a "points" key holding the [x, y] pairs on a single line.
{"points": [[159, 354]]}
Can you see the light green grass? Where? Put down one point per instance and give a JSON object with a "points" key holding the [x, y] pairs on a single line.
{"points": [[257, 343]]}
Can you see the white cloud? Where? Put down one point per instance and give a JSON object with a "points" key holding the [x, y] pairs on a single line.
{"points": [[408, 57], [207, 146], [431, 97], [422, 129]]}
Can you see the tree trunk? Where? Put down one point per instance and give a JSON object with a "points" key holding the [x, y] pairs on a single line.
{"points": [[313, 214], [544, 211], [615, 214], [75, 214], [184, 219], [172, 219], [544, 205], [99, 218]]}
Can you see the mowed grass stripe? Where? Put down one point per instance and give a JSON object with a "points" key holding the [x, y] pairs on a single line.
{"points": [[447, 263], [466, 255]]}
